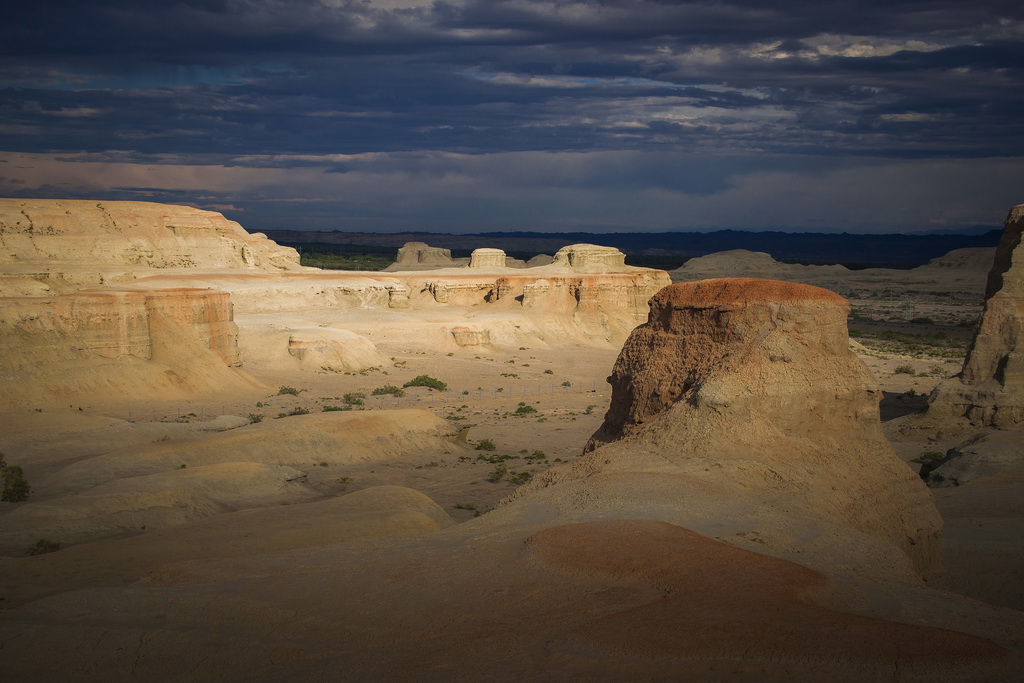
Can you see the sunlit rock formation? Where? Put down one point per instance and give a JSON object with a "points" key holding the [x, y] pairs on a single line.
{"points": [[53, 240], [990, 388], [110, 341], [487, 258], [743, 397]]}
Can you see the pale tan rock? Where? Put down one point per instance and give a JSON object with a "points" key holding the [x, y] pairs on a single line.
{"points": [[487, 258], [740, 400], [422, 256], [465, 336], [65, 233], [990, 388], [590, 258], [176, 341]]}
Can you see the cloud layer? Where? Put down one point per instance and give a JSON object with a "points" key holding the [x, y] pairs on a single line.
{"points": [[849, 115]]}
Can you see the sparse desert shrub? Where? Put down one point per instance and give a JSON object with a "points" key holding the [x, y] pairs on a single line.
{"points": [[354, 398], [16, 487], [288, 390], [255, 417], [426, 381], [922, 321], [589, 410], [485, 445], [549, 371], [299, 411], [332, 409], [524, 409], [904, 370], [566, 383], [42, 546], [387, 389], [519, 478], [497, 474]]}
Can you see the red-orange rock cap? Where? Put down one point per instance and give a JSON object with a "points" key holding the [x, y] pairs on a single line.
{"points": [[741, 290]]}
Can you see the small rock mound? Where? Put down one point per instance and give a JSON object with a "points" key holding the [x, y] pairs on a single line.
{"points": [[989, 391], [590, 258], [421, 256], [487, 258]]}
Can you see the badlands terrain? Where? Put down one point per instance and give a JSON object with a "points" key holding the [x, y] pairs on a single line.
{"points": [[245, 469]]}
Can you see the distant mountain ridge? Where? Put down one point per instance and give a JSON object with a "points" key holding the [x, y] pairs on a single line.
{"points": [[852, 250]]}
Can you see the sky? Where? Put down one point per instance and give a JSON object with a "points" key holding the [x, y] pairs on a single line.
{"points": [[465, 116]]}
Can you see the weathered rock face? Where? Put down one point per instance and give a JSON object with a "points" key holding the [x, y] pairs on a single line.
{"points": [[744, 396], [590, 258], [487, 258], [990, 388], [419, 255], [704, 342], [175, 340], [130, 234]]}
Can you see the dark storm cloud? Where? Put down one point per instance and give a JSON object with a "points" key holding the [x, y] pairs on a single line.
{"points": [[354, 89]]}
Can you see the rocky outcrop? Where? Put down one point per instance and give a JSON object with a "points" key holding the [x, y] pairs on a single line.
{"points": [[487, 258], [65, 234], [740, 398], [422, 256], [590, 258], [178, 340], [989, 391]]}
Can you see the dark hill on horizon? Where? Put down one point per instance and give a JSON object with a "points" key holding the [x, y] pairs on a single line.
{"points": [[664, 249]]}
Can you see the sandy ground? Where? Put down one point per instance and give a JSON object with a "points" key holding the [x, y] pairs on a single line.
{"points": [[537, 406]]}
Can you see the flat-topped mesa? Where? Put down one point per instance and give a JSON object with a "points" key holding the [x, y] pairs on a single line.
{"points": [[590, 258], [64, 233], [743, 394], [105, 343], [487, 258], [740, 345], [415, 255], [989, 391]]}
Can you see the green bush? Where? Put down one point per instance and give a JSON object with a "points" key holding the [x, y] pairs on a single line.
{"points": [[255, 417], [566, 383], [354, 399], [519, 478], [485, 445], [16, 488], [387, 389], [42, 546], [288, 390], [497, 474], [524, 409], [333, 409], [904, 370], [426, 381]]}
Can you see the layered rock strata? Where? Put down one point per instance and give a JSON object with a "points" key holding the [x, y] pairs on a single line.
{"points": [[75, 344], [487, 258], [62, 234], [989, 391], [422, 256], [743, 397]]}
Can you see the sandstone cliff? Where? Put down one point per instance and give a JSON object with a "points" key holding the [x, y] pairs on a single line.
{"points": [[742, 399], [111, 343], [990, 388], [130, 234]]}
